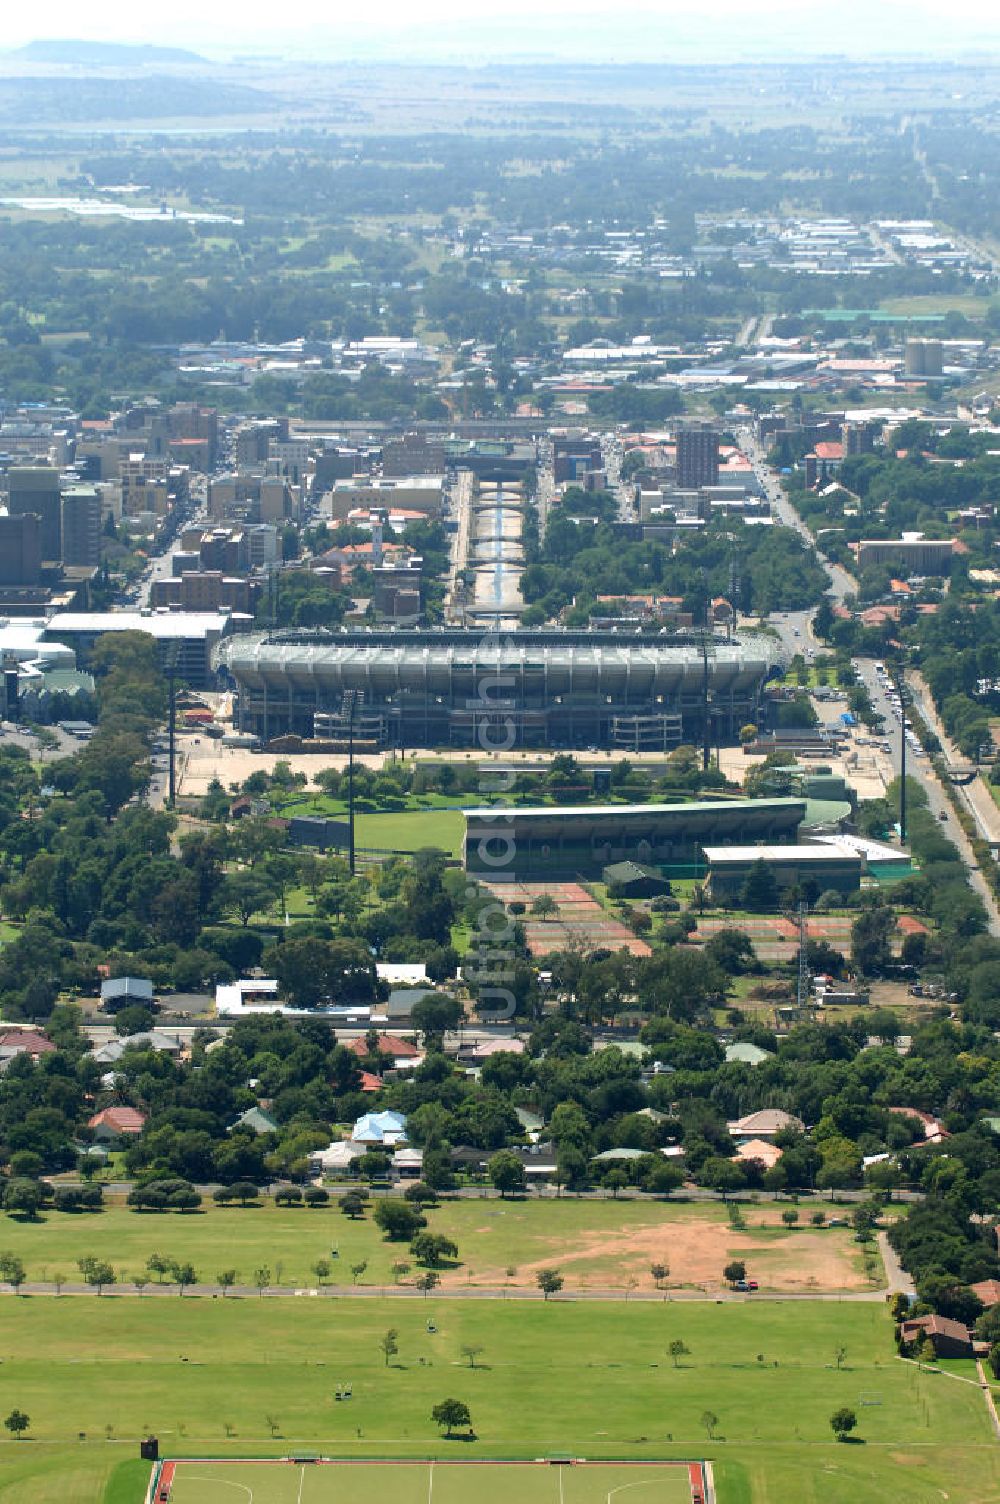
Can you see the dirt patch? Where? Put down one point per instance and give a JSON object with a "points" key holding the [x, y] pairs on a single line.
{"points": [[804, 1259], [908, 1459]]}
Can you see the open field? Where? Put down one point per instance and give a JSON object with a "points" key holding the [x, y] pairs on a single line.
{"points": [[212, 1378], [596, 1244], [428, 1482]]}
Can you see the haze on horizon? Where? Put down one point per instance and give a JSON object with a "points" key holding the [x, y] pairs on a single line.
{"points": [[722, 31]]}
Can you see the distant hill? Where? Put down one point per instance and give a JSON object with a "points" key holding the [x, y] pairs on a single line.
{"points": [[101, 54]]}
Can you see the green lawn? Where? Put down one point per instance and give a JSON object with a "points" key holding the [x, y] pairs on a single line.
{"points": [[596, 1243], [431, 1483], [211, 1378], [398, 830]]}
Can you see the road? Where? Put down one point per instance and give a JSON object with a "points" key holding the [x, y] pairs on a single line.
{"points": [[793, 628]]}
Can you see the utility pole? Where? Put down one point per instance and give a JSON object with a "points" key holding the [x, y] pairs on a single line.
{"points": [[349, 707], [900, 683], [171, 723]]}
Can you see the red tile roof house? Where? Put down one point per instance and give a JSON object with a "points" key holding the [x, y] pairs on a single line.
{"points": [[388, 1044], [950, 1338], [31, 1042], [988, 1291], [113, 1123]]}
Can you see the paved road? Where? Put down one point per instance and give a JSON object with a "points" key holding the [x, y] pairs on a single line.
{"points": [[794, 631], [452, 1292], [896, 1276]]}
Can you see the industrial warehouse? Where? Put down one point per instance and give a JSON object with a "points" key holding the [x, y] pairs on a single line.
{"points": [[446, 688]]}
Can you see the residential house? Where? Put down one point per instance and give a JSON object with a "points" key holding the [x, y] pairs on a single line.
{"points": [[15, 1042], [256, 1120], [112, 1124], [950, 1339], [745, 1053], [760, 1149], [765, 1124], [380, 1130]]}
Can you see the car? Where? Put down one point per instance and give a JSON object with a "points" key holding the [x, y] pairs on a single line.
{"points": [[942, 814], [741, 1284], [752, 1284]]}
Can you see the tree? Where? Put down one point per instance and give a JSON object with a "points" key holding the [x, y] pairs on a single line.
{"points": [[262, 1278], [17, 1423], [226, 1279], [615, 1181], [663, 1179], [158, 1265], [660, 1273], [842, 1422], [871, 937], [734, 1272], [400, 1270], [709, 1420], [352, 1204], [549, 1281], [389, 1343], [245, 894], [471, 1350], [184, 1275], [23, 1197], [398, 1219], [357, 1270], [434, 1016], [96, 1272], [790, 1216], [12, 1271], [432, 1248], [544, 906], [451, 1414], [507, 1173], [678, 1349], [840, 1356], [321, 1269], [759, 893], [427, 1281]]}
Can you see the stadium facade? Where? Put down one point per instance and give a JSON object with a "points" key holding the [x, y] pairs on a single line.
{"points": [[523, 689]]}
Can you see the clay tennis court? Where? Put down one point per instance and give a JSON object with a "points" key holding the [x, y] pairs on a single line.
{"points": [[579, 920]]}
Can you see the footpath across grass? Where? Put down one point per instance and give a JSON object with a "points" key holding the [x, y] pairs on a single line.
{"points": [[248, 1378]]}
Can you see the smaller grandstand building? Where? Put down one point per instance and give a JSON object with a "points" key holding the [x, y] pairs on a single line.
{"points": [[534, 843]]}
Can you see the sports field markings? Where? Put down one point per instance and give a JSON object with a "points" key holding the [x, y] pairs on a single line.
{"points": [[302, 1479], [201, 1478], [430, 1482], [639, 1483], [561, 1500]]}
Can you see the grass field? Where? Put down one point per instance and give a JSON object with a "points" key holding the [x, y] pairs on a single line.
{"points": [[246, 1378], [594, 1243], [427, 1482]]}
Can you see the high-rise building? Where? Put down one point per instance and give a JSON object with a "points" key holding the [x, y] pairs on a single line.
{"points": [[857, 438], [35, 488], [81, 525], [20, 549], [697, 458]]}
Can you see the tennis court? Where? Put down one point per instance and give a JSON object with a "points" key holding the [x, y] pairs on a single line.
{"points": [[291, 1482]]}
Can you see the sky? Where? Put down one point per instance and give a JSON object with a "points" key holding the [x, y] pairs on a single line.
{"points": [[655, 29]]}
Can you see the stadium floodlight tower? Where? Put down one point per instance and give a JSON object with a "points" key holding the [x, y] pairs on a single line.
{"points": [[349, 707]]}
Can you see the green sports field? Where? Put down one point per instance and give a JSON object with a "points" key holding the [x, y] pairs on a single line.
{"points": [[205, 1482], [249, 1378]]}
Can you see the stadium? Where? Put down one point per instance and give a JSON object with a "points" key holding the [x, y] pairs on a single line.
{"points": [[450, 688]]}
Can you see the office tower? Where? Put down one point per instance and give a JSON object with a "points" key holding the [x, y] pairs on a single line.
{"points": [[81, 525], [35, 488], [20, 549], [697, 458]]}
